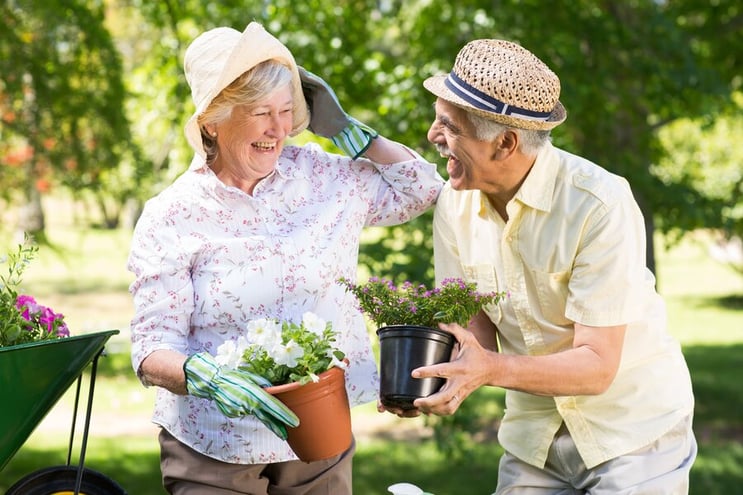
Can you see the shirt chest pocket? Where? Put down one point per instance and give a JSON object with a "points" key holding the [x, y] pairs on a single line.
{"points": [[484, 276], [551, 289]]}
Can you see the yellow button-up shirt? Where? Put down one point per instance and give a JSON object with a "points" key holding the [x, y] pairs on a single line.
{"points": [[572, 250]]}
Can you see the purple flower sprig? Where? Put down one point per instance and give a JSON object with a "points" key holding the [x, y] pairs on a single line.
{"points": [[454, 301]]}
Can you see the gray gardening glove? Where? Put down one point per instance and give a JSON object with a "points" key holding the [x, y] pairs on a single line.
{"points": [[328, 119], [236, 393]]}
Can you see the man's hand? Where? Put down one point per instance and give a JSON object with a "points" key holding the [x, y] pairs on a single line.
{"points": [[463, 374]]}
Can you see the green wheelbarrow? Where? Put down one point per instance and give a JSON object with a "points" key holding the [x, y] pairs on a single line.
{"points": [[33, 377]]}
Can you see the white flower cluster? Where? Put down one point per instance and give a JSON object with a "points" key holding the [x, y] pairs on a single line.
{"points": [[279, 341]]}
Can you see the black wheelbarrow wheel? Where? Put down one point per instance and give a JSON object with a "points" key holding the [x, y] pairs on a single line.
{"points": [[61, 480]]}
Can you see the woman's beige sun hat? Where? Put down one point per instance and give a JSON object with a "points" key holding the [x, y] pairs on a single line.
{"points": [[219, 56], [504, 82]]}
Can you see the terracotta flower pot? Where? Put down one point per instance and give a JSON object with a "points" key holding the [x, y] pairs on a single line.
{"points": [[402, 349], [324, 429]]}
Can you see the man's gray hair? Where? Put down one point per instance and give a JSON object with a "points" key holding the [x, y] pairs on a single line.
{"points": [[487, 130]]}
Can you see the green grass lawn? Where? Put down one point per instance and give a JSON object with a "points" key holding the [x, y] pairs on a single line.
{"points": [[86, 279]]}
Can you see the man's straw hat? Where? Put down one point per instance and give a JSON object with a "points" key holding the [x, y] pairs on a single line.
{"points": [[219, 56], [504, 82]]}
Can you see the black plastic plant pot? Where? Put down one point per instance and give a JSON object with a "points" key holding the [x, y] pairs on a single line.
{"points": [[403, 348]]}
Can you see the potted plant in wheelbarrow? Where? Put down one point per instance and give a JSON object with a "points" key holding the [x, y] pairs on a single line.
{"points": [[407, 318], [39, 360]]}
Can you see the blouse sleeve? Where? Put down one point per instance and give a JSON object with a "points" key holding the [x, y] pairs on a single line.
{"points": [[399, 192], [162, 289]]}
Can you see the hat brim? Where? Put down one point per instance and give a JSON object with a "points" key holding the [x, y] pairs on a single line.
{"points": [[437, 86], [254, 46]]}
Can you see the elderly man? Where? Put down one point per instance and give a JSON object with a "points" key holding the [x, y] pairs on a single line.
{"points": [[598, 394]]}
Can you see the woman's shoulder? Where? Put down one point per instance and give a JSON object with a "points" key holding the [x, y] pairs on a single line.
{"points": [[310, 153], [310, 159], [179, 193]]}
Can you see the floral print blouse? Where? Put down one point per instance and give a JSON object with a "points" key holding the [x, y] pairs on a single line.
{"points": [[208, 258]]}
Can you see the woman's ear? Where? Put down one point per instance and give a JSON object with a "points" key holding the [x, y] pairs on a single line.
{"points": [[211, 130]]}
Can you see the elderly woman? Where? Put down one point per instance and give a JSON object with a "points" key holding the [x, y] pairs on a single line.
{"points": [[255, 229]]}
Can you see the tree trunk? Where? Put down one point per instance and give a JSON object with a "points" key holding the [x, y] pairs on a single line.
{"points": [[650, 246], [649, 235], [31, 213]]}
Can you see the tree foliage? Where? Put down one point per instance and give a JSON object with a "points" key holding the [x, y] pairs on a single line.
{"points": [[628, 70], [61, 97]]}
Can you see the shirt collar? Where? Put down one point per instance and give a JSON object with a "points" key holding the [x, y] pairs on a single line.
{"points": [[539, 186], [197, 163], [284, 167]]}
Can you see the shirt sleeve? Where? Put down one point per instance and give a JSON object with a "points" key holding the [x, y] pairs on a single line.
{"points": [[162, 289], [610, 274], [446, 257]]}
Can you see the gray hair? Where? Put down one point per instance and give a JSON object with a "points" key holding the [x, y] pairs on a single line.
{"points": [[251, 87], [487, 130]]}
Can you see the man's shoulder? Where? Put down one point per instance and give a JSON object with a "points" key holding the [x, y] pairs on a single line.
{"points": [[586, 176]]}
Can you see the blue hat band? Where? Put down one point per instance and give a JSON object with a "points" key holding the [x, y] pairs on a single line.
{"points": [[487, 103]]}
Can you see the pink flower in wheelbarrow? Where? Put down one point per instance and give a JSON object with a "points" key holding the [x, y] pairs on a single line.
{"points": [[22, 319], [41, 318]]}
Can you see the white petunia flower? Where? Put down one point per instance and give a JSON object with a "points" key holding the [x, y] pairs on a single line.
{"points": [[265, 333], [230, 353], [287, 354], [334, 361], [313, 323]]}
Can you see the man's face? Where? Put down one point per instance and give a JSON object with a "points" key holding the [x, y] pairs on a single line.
{"points": [[468, 158]]}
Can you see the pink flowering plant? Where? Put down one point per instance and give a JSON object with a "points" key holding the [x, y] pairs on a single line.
{"points": [[22, 319], [278, 352], [385, 303]]}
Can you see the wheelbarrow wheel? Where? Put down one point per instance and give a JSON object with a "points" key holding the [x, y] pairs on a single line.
{"points": [[60, 480]]}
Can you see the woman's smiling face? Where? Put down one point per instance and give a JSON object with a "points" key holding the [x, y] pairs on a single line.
{"points": [[251, 139]]}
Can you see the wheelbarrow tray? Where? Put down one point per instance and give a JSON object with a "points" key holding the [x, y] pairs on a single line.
{"points": [[33, 377]]}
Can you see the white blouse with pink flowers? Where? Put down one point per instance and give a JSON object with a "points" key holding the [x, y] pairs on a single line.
{"points": [[208, 258]]}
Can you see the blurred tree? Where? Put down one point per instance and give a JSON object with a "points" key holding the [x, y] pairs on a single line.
{"points": [[61, 102], [628, 69], [706, 155]]}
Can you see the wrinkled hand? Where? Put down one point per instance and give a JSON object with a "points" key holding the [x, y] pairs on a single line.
{"points": [[236, 393], [463, 374], [328, 119]]}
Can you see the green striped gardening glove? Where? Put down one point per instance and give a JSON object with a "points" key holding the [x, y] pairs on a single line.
{"points": [[328, 119], [237, 393]]}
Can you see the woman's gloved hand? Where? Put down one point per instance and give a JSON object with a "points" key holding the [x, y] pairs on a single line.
{"points": [[328, 119], [236, 393]]}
